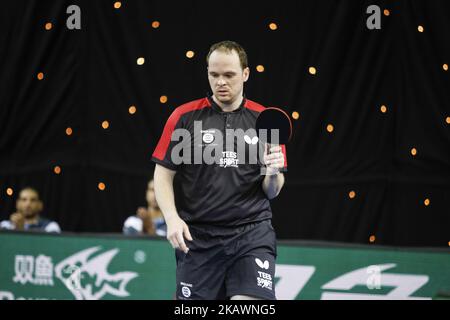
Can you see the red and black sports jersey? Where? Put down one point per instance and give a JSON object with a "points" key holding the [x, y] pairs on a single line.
{"points": [[224, 192]]}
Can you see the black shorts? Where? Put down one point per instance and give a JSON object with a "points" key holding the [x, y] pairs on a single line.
{"points": [[223, 262]]}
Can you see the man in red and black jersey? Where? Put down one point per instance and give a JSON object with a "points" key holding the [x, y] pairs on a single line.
{"points": [[211, 190]]}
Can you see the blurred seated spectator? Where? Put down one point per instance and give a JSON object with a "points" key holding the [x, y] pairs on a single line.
{"points": [[28, 217], [150, 220]]}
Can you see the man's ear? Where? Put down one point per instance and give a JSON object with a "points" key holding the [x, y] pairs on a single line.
{"points": [[41, 206], [246, 74]]}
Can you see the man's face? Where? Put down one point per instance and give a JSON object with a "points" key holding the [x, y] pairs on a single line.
{"points": [[226, 76], [28, 203]]}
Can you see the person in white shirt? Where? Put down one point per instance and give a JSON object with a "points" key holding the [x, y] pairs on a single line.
{"points": [[27, 216], [148, 221]]}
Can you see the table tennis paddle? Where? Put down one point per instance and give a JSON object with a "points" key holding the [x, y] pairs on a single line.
{"points": [[272, 122]]}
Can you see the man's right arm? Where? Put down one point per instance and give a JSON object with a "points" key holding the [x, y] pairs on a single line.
{"points": [[177, 229]]}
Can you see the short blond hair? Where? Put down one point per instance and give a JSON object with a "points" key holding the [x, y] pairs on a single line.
{"points": [[228, 47]]}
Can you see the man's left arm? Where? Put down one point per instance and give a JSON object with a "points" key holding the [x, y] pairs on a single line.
{"points": [[274, 180]]}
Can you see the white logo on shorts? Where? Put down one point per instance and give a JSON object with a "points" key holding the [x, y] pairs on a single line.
{"points": [[186, 292], [264, 280], [262, 265]]}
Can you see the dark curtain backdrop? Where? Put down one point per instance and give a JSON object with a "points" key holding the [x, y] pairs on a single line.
{"points": [[91, 76]]}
